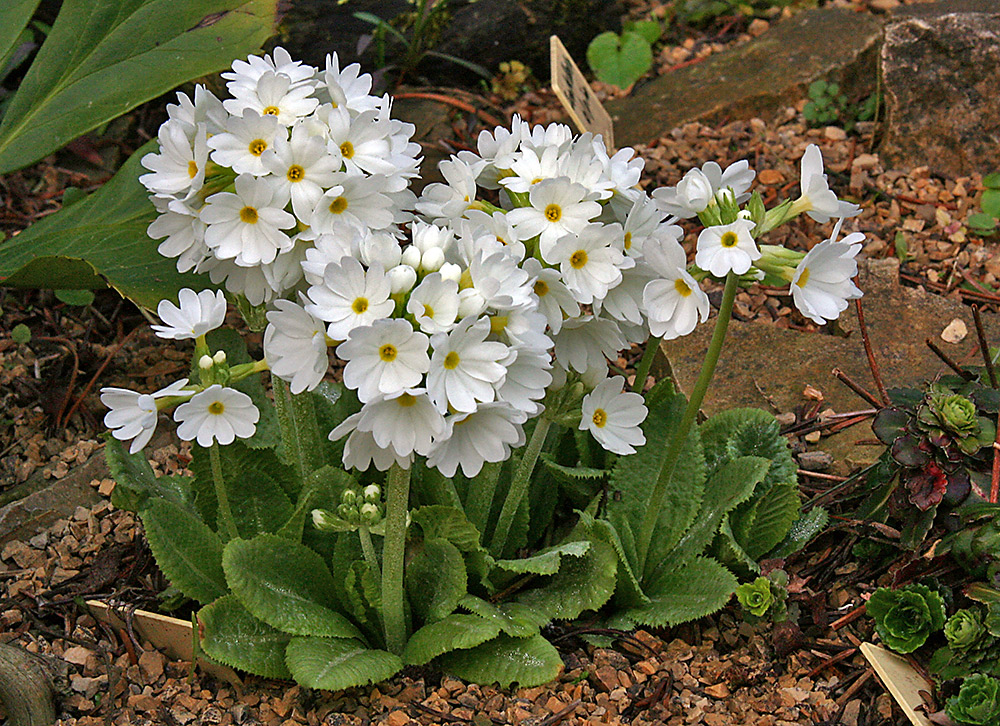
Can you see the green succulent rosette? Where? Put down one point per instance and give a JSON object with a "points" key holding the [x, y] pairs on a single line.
{"points": [[963, 629], [906, 617], [756, 597], [946, 415], [977, 702]]}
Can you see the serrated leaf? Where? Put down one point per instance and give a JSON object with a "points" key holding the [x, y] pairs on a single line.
{"points": [[807, 526], [436, 579], [773, 517], [455, 632], [286, 585], [581, 584], [699, 588], [505, 660], [449, 523], [748, 432], [628, 591], [513, 618], [336, 664], [547, 561], [234, 637], [619, 60], [188, 552]]}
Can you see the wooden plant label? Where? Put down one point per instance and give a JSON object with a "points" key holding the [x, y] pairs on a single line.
{"points": [[901, 680], [576, 95], [171, 636]]}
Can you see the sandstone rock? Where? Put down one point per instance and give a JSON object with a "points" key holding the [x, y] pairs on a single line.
{"points": [[940, 64], [758, 78]]}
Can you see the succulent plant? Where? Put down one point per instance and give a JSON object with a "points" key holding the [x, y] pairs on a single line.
{"points": [[973, 644], [963, 629], [906, 617], [977, 702], [756, 596]]}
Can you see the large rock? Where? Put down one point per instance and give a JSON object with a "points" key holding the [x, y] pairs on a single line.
{"points": [[758, 78], [940, 71]]}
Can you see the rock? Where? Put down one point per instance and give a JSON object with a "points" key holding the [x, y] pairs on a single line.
{"points": [[151, 664], [940, 62], [815, 460], [757, 79]]}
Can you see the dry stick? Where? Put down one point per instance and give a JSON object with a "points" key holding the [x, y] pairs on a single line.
{"points": [[820, 475], [440, 98], [850, 617], [832, 660], [847, 381], [984, 347], [100, 370], [870, 353], [560, 714], [948, 361], [855, 687]]}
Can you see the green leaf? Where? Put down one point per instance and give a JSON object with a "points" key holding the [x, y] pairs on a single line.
{"points": [[436, 579], [335, 664], [455, 632], [105, 57], [505, 660], [322, 489], [286, 585], [981, 222], [450, 523], [513, 618], [648, 29], [581, 584], [234, 637], [136, 483], [628, 591], [619, 60], [21, 334], [188, 552], [13, 20], [991, 202], [699, 588], [80, 298], [547, 561], [772, 520], [992, 181], [99, 242]]}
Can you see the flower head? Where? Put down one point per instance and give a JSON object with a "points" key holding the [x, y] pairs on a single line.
{"points": [[217, 414], [384, 358], [613, 417], [727, 248], [133, 415], [198, 314], [822, 283]]}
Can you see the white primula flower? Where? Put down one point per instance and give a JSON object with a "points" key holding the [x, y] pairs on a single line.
{"points": [[590, 261], [273, 94], [406, 422], [526, 379], [442, 203], [295, 346], [247, 73], [532, 166], [642, 222], [384, 358], [816, 199], [613, 417], [217, 414], [586, 342], [497, 277], [244, 142], [823, 281], [302, 170], [727, 248], [184, 232], [178, 170], [690, 197], [465, 367], [348, 87], [498, 149], [361, 451], [434, 304], [350, 297], [133, 415], [199, 312], [361, 142], [555, 301], [246, 226], [674, 303], [472, 439], [623, 302], [558, 207], [250, 282], [353, 201], [205, 109]]}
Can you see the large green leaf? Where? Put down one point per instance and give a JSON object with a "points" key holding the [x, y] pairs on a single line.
{"points": [[773, 518], [335, 664], [620, 60], [547, 561], [286, 585], [505, 660], [13, 19], [515, 619], [455, 632], [436, 578], [581, 584], [104, 57], [136, 482], [188, 552], [98, 242], [450, 523], [234, 637], [700, 588]]}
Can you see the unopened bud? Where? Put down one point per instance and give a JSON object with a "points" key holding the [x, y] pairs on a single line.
{"points": [[323, 520], [220, 357], [372, 493], [450, 271], [402, 278], [205, 362], [432, 259], [349, 497], [410, 256], [370, 514]]}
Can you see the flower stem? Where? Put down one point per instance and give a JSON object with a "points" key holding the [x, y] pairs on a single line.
{"points": [[519, 486], [225, 513], [655, 503], [368, 550], [480, 498], [645, 363], [299, 428], [397, 502]]}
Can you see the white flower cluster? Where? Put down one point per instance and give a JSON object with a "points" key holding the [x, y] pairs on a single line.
{"points": [[457, 318]]}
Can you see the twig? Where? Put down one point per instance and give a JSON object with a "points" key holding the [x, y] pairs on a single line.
{"points": [[832, 660], [872, 363], [100, 370], [819, 475], [560, 714], [856, 686], [847, 381], [850, 617], [948, 361], [984, 347]]}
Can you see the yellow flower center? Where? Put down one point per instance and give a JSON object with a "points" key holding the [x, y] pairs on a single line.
{"points": [[271, 111], [599, 418], [406, 400], [248, 215], [578, 259], [192, 169], [498, 323], [628, 240], [428, 311], [295, 173], [347, 149], [338, 205], [682, 288], [553, 212], [803, 278], [541, 288], [388, 352], [451, 361], [536, 180], [729, 239], [257, 147], [360, 305], [216, 408]]}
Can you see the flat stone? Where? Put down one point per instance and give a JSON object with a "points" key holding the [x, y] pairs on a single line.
{"points": [[766, 367], [940, 63], [757, 79]]}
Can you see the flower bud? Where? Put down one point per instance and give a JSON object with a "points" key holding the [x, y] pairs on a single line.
{"points": [[219, 358], [470, 302], [206, 362], [411, 257], [372, 493], [324, 520], [432, 259], [450, 271], [349, 497], [402, 278], [370, 514]]}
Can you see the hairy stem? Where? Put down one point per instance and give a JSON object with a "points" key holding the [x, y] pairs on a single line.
{"points": [[655, 503], [519, 486], [225, 513], [299, 428], [396, 506], [642, 372], [368, 550]]}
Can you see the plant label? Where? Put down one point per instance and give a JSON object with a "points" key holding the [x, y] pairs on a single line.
{"points": [[576, 95]]}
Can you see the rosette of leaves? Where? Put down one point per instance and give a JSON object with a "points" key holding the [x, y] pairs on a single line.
{"points": [[963, 629], [977, 701], [906, 617], [973, 645], [756, 597], [975, 543]]}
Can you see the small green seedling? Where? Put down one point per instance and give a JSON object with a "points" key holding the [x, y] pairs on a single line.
{"points": [[826, 103], [621, 60], [985, 222]]}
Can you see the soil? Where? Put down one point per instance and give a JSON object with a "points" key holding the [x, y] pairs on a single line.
{"points": [[720, 670]]}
